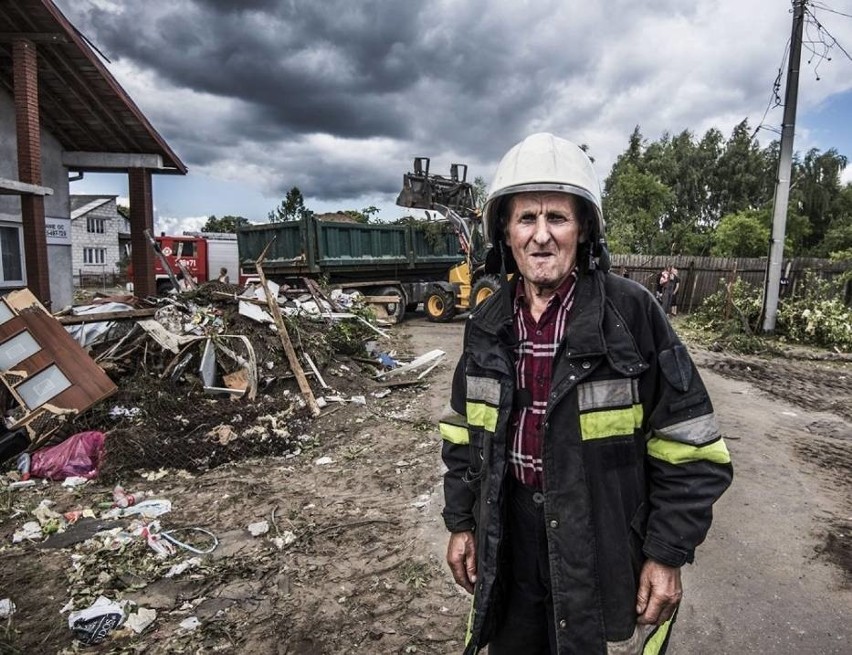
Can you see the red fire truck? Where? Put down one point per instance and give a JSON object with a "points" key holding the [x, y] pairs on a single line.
{"points": [[203, 254]]}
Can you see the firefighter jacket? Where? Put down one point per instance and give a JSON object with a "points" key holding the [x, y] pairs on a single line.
{"points": [[633, 461]]}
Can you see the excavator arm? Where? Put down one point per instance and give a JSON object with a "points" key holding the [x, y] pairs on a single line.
{"points": [[452, 197]]}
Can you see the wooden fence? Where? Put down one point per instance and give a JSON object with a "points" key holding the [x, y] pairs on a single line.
{"points": [[699, 276]]}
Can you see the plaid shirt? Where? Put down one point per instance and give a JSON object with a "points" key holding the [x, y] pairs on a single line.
{"points": [[537, 344]]}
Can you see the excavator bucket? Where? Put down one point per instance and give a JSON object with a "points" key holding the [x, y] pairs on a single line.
{"points": [[421, 190]]}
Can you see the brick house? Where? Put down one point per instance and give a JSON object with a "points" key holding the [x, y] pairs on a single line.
{"points": [[97, 231], [62, 115]]}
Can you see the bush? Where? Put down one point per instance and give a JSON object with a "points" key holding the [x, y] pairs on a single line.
{"points": [[817, 317]]}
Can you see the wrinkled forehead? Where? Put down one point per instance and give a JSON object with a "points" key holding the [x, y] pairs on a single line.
{"points": [[542, 202]]}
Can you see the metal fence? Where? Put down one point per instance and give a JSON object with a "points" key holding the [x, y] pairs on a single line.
{"points": [[699, 276]]}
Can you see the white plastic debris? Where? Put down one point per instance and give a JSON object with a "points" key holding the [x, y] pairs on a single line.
{"points": [[382, 393], [7, 608], [323, 461], [180, 567], [139, 620], [190, 623], [29, 530], [74, 481], [149, 508], [287, 537], [259, 528], [421, 501], [93, 624]]}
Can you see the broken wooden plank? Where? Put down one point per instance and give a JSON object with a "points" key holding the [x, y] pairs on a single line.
{"points": [[293, 360], [78, 319]]}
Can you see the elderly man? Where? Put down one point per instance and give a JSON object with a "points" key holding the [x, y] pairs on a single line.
{"points": [[582, 454]]}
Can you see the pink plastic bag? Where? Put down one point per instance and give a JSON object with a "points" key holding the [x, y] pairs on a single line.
{"points": [[79, 455]]}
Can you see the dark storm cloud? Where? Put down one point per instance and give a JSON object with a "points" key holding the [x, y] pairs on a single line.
{"points": [[253, 84]]}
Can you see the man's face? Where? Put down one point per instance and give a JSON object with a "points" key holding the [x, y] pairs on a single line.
{"points": [[543, 232]]}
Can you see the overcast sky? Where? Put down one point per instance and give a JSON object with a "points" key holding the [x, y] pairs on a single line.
{"points": [[337, 96]]}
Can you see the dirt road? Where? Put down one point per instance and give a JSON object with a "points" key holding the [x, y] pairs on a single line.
{"points": [[353, 559]]}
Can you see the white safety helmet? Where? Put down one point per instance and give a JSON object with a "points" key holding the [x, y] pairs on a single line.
{"points": [[544, 162]]}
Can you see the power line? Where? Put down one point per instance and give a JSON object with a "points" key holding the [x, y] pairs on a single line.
{"points": [[822, 29], [775, 97], [822, 7]]}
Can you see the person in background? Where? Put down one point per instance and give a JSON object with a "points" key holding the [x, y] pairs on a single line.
{"points": [[583, 458], [223, 276], [674, 280], [662, 280]]}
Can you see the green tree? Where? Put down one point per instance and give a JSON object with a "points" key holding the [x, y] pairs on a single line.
{"points": [[817, 194], [743, 234], [225, 224], [634, 206], [480, 192], [292, 208]]}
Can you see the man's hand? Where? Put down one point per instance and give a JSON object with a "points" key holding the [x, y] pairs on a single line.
{"points": [[461, 556], [659, 593]]}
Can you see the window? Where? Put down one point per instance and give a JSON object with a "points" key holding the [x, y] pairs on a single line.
{"points": [[94, 255], [184, 249], [95, 225], [11, 264]]}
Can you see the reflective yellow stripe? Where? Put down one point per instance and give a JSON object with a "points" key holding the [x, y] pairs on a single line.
{"points": [[681, 453], [454, 434], [610, 422], [655, 643], [482, 415]]}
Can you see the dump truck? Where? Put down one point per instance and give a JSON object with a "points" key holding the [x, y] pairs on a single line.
{"points": [[397, 262]]}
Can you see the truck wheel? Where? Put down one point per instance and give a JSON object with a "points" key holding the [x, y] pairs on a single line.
{"points": [[439, 306], [395, 310], [484, 287]]}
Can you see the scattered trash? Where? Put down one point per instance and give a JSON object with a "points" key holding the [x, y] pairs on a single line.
{"points": [[427, 362], [29, 531], [381, 394], [139, 620], [183, 566], [285, 539], [20, 484], [92, 625], [158, 544], [124, 412], [7, 608], [259, 528], [121, 498], [190, 623], [170, 535], [74, 481], [322, 461], [78, 455], [150, 508]]}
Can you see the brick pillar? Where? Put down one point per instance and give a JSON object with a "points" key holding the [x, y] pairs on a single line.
{"points": [[141, 218], [25, 81]]}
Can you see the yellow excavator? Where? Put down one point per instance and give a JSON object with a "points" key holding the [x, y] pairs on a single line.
{"points": [[452, 197]]}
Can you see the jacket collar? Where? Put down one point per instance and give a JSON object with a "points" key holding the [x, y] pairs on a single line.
{"points": [[595, 328]]}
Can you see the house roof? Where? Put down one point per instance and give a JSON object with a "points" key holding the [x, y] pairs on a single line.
{"points": [[80, 102], [81, 204]]}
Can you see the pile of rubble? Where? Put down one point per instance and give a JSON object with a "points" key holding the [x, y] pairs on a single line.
{"points": [[212, 376]]}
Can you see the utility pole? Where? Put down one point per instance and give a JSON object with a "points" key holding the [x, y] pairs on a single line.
{"points": [[785, 162]]}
